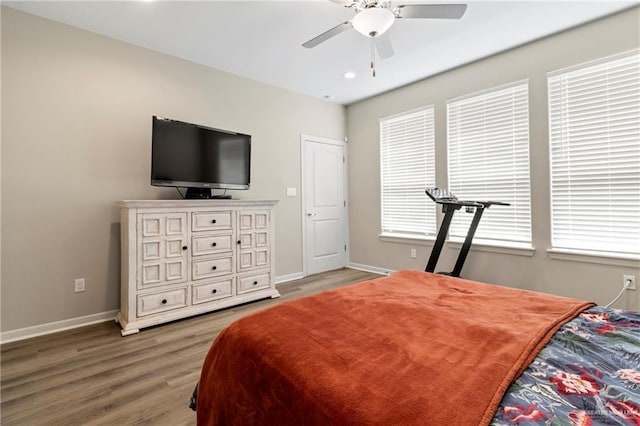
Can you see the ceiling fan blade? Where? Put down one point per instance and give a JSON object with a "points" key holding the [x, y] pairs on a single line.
{"points": [[384, 46], [432, 11], [327, 34]]}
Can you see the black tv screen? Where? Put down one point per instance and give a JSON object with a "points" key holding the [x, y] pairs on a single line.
{"points": [[193, 156]]}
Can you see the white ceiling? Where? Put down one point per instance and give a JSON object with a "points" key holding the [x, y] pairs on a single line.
{"points": [[262, 40]]}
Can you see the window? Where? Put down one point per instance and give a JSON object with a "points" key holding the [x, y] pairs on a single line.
{"points": [[594, 135], [488, 143], [407, 160]]}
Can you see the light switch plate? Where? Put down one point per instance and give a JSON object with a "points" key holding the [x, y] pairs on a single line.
{"points": [[291, 192]]}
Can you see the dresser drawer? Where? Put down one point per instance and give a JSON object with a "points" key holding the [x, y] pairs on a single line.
{"points": [[163, 301], [210, 244], [212, 291], [211, 221], [253, 283], [212, 267]]}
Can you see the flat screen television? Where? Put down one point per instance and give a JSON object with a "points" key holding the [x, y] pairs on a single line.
{"points": [[199, 158]]}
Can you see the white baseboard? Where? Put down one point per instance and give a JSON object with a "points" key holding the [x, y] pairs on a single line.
{"points": [[372, 269], [290, 277], [68, 324], [54, 327], [299, 275]]}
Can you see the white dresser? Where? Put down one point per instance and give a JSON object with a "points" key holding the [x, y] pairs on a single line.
{"points": [[186, 257]]}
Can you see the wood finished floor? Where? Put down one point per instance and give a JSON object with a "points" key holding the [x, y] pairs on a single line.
{"points": [[92, 375]]}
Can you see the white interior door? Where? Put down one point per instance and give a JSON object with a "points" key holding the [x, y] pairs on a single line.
{"points": [[324, 204]]}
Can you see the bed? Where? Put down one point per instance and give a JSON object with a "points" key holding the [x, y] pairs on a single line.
{"points": [[425, 349]]}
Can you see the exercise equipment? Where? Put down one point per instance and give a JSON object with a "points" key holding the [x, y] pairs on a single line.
{"points": [[450, 204]]}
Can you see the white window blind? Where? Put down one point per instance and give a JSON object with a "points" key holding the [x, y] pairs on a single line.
{"points": [[594, 135], [488, 143], [407, 160]]}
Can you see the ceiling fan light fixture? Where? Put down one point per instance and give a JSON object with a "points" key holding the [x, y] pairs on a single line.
{"points": [[373, 22]]}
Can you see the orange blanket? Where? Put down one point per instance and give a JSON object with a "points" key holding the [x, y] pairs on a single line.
{"points": [[412, 348]]}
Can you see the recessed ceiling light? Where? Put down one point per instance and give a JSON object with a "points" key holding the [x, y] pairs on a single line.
{"points": [[349, 74]]}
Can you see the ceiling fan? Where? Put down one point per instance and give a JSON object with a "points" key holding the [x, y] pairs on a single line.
{"points": [[374, 17]]}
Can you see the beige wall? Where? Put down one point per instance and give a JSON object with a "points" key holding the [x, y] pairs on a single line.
{"points": [[76, 115], [595, 282], [76, 119]]}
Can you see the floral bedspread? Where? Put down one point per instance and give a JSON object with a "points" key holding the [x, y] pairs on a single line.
{"points": [[588, 374]]}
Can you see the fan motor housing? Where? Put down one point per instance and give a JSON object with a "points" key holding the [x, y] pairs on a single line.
{"points": [[367, 4]]}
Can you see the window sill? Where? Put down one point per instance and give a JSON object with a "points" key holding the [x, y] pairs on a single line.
{"points": [[600, 258], [393, 237], [516, 250]]}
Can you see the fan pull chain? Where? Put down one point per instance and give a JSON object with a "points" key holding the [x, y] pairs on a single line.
{"points": [[373, 56]]}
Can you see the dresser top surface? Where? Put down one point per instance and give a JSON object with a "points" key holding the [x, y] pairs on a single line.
{"points": [[193, 203]]}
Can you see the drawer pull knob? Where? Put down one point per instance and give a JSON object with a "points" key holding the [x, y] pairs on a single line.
{"points": [[214, 268], [164, 301], [213, 221], [239, 242], [184, 247], [214, 244], [255, 283], [214, 291]]}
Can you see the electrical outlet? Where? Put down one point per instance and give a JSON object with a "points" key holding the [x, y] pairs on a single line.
{"points": [[413, 253], [79, 285], [627, 278]]}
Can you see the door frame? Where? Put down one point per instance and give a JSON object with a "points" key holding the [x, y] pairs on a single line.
{"points": [[345, 187]]}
